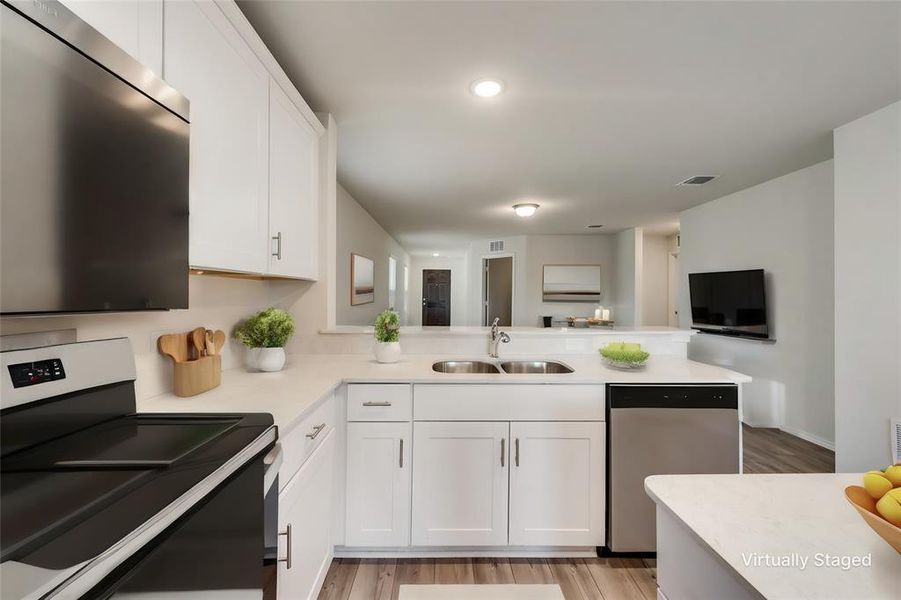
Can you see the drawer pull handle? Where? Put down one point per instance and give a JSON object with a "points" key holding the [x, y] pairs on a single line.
{"points": [[516, 446], [287, 559], [503, 451], [376, 404], [401, 460], [316, 431]]}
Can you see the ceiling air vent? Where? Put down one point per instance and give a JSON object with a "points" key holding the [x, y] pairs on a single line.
{"points": [[496, 246], [698, 180], [593, 226]]}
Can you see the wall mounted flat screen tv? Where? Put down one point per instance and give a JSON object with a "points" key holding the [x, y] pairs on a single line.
{"points": [[729, 303]]}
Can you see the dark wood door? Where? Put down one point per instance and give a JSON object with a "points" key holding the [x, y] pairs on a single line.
{"points": [[436, 297]]}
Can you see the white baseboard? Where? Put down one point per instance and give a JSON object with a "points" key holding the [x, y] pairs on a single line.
{"points": [[475, 552], [813, 439]]}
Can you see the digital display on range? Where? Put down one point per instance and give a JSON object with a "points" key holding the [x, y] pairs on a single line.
{"points": [[33, 373]]}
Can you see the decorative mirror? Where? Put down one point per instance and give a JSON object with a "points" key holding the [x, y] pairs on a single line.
{"points": [[571, 283], [362, 286]]}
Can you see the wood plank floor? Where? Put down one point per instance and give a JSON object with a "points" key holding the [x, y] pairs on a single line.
{"points": [[765, 451], [580, 579], [774, 451]]}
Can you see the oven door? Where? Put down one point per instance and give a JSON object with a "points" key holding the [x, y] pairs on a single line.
{"points": [[213, 551], [273, 463]]}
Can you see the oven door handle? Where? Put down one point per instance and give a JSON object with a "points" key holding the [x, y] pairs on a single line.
{"points": [[272, 462]]}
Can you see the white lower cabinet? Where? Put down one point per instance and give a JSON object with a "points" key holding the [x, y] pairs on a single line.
{"points": [[557, 484], [378, 484], [304, 516], [460, 483]]}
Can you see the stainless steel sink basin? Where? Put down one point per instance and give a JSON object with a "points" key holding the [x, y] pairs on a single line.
{"points": [[534, 366], [465, 366]]}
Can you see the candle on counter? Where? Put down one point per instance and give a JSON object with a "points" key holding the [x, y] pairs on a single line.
{"points": [[597, 313], [605, 314]]}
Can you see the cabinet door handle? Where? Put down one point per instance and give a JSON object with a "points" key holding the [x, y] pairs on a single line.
{"points": [[316, 431], [287, 559], [401, 459], [278, 245], [503, 451], [376, 404], [516, 446]]}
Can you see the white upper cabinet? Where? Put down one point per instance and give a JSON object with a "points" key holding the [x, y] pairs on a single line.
{"points": [[136, 26], [557, 484], [460, 483], [293, 190], [207, 60]]}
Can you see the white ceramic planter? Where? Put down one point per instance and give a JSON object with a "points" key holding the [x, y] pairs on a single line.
{"points": [[266, 359], [387, 352]]}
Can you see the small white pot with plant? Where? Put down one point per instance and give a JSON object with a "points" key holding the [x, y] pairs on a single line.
{"points": [[387, 336], [265, 335]]}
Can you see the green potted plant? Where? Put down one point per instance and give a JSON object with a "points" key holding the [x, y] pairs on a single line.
{"points": [[265, 335], [387, 336]]}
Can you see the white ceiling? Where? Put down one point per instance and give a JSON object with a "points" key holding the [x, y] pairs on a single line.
{"points": [[607, 106]]}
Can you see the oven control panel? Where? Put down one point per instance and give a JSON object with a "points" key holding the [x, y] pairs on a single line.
{"points": [[33, 373]]}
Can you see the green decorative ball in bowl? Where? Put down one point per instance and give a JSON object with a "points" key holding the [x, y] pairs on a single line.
{"points": [[623, 355]]}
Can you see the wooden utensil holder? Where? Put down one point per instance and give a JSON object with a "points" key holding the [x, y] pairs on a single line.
{"points": [[195, 370], [197, 376]]}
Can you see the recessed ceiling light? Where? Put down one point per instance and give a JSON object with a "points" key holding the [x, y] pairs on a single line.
{"points": [[487, 88], [525, 210], [435, 254]]}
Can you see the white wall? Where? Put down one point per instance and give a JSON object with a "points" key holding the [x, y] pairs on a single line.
{"points": [[867, 288], [785, 227], [359, 233], [626, 282], [514, 246], [530, 254], [458, 266], [654, 280], [215, 303], [564, 249]]}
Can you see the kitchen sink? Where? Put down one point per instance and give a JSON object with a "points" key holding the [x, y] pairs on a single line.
{"points": [[465, 366], [534, 366]]}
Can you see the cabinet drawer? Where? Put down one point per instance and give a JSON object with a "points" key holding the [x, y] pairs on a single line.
{"points": [[379, 402], [509, 402], [300, 442]]}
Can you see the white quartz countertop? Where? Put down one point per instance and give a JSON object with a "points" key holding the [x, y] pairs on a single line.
{"points": [[472, 330], [291, 394], [744, 518]]}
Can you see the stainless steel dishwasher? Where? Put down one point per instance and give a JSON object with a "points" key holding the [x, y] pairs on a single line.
{"points": [[655, 430]]}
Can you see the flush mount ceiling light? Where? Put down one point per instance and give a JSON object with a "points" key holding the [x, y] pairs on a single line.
{"points": [[525, 210], [487, 88], [435, 254]]}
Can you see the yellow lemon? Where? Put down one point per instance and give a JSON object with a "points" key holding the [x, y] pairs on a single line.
{"points": [[889, 506], [893, 474], [876, 484]]}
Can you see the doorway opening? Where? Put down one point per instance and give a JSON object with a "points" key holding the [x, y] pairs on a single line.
{"points": [[436, 297], [497, 290], [672, 272]]}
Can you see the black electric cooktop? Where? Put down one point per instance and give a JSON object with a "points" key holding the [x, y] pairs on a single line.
{"points": [[68, 499]]}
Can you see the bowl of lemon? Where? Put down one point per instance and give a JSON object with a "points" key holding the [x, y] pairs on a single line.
{"points": [[623, 355], [879, 503]]}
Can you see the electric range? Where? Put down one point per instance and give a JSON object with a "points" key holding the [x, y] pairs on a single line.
{"points": [[98, 501]]}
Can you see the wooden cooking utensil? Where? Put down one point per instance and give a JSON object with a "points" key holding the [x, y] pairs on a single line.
{"points": [[174, 345], [198, 336], [208, 342], [218, 340]]}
